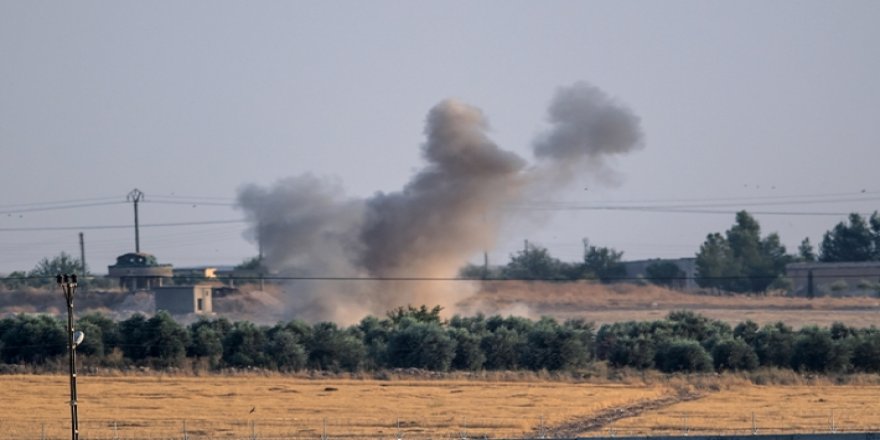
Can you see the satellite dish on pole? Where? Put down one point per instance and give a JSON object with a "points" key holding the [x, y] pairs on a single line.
{"points": [[78, 337]]}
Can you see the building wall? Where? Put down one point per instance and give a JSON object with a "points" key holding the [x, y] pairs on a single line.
{"points": [[196, 272], [135, 278], [181, 300], [834, 278]]}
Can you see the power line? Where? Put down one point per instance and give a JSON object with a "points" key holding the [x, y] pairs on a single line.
{"points": [[59, 207], [743, 198], [150, 225], [189, 202], [62, 202], [711, 205], [659, 209], [447, 279]]}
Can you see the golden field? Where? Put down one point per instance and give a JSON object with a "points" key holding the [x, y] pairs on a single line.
{"points": [[292, 407], [611, 303], [298, 408], [767, 409]]}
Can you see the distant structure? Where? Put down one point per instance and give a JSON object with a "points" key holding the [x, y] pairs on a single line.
{"points": [[184, 300], [194, 274], [139, 271], [820, 279], [242, 276], [639, 269]]}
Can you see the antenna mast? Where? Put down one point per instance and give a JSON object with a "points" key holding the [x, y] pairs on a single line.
{"points": [[135, 196]]}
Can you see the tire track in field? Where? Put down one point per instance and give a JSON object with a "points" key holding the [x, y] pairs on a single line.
{"points": [[607, 416]]}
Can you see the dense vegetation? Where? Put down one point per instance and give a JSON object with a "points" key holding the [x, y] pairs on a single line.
{"points": [[418, 338], [740, 260]]}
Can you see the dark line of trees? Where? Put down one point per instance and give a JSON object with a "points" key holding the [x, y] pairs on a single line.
{"points": [[418, 338], [535, 263], [741, 260]]}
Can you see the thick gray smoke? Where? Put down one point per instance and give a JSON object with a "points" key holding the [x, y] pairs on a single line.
{"points": [[447, 213], [586, 127], [305, 226]]}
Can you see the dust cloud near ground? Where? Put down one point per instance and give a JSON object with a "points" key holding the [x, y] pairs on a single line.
{"points": [[450, 210], [593, 302]]}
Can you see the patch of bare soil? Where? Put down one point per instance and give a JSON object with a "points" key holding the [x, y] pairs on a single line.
{"points": [[601, 419]]}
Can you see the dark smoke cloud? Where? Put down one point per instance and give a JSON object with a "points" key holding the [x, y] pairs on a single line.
{"points": [[306, 226], [447, 213], [587, 124]]}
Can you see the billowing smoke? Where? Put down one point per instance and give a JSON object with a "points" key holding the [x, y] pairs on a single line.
{"points": [[447, 213], [305, 226], [448, 210], [586, 128]]}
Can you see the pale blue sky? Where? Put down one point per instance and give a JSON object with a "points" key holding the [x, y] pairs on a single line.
{"points": [[739, 99]]}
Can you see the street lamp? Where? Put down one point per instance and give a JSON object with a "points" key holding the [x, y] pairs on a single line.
{"points": [[68, 287]]}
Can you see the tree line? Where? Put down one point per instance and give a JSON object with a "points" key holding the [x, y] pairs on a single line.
{"points": [[739, 260], [418, 338]]}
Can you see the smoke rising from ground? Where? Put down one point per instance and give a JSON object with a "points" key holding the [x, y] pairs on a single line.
{"points": [[448, 212]]}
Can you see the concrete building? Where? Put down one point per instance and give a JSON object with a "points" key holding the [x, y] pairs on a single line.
{"points": [[183, 300], [639, 268], [138, 270], [819, 279], [194, 275]]}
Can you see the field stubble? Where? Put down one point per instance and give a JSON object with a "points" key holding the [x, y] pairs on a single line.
{"points": [[295, 407], [605, 304], [279, 406]]}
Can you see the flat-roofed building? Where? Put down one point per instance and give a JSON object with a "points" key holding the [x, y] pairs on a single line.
{"points": [[138, 270], [184, 300]]}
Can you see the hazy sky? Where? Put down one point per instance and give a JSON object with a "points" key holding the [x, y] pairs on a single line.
{"points": [[743, 104]]}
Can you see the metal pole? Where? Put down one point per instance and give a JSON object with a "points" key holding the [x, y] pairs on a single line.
{"points": [[68, 287], [82, 253], [135, 196], [137, 234]]}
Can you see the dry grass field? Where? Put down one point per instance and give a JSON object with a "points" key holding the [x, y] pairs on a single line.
{"points": [[287, 407], [156, 407], [624, 302], [768, 409]]}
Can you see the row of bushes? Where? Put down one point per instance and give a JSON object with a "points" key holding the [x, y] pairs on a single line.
{"points": [[418, 338]]}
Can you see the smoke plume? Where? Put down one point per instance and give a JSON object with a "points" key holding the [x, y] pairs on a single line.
{"points": [[448, 212], [586, 128]]}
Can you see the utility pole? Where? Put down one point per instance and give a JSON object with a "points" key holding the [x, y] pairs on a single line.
{"points": [[135, 196], [82, 253], [68, 287]]}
